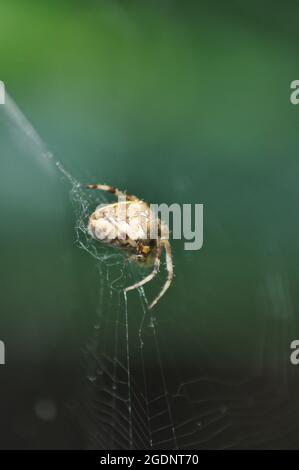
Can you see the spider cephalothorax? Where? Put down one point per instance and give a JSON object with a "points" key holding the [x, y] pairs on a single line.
{"points": [[130, 224]]}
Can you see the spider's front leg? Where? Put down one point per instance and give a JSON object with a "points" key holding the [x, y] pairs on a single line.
{"points": [[169, 266], [153, 273]]}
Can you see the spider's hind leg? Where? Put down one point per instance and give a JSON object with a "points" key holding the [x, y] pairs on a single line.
{"points": [[113, 190]]}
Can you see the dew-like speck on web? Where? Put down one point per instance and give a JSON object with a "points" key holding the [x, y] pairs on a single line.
{"points": [[92, 378], [45, 409]]}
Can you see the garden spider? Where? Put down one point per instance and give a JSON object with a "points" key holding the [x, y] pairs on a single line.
{"points": [[132, 232]]}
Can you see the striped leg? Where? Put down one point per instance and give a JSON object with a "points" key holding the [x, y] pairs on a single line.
{"points": [[115, 191]]}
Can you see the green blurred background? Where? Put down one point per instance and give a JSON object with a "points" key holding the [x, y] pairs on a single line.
{"points": [[183, 102]]}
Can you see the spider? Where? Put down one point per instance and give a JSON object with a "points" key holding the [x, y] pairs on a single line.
{"points": [[132, 232]]}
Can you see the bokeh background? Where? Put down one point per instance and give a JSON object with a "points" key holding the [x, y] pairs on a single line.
{"points": [[185, 102]]}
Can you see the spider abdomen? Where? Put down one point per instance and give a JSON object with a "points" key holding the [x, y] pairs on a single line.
{"points": [[130, 224], [125, 225]]}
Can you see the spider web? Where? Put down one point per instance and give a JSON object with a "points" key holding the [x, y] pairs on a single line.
{"points": [[135, 391]]}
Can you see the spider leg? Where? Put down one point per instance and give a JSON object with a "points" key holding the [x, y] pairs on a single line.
{"points": [[169, 265], [115, 191], [153, 273]]}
